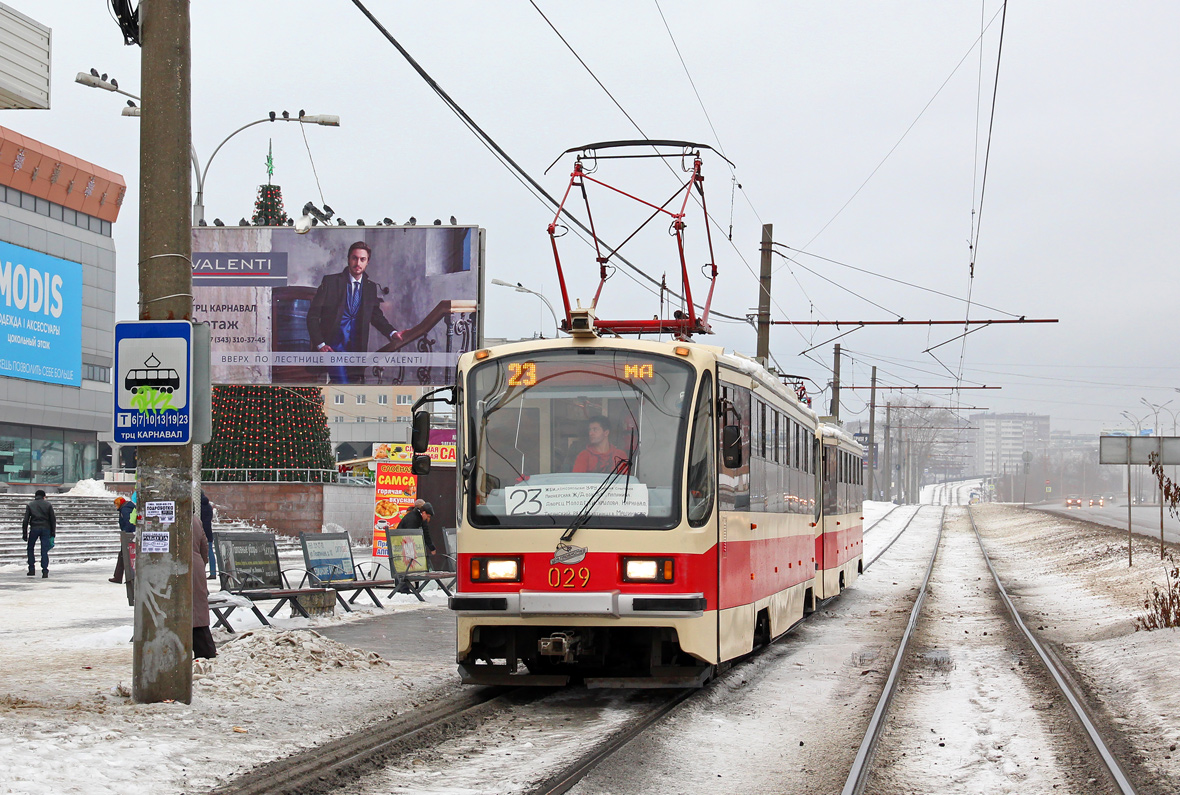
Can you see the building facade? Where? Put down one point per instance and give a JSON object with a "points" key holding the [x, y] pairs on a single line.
{"points": [[362, 416], [1001, 440], [57, 312]]}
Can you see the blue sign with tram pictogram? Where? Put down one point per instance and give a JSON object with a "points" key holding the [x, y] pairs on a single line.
{"points": [[153, 382]]}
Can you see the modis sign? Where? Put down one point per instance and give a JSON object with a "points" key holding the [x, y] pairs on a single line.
{"points": [[40, 316]]}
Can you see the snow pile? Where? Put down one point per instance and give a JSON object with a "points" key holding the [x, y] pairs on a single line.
{"points": [[90, 488], [258, 663]]}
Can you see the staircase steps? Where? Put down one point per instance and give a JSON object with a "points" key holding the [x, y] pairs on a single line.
{"points": [[87, 529]]}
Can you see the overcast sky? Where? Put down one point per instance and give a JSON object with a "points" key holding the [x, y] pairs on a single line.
{"points": [[806, 98]]}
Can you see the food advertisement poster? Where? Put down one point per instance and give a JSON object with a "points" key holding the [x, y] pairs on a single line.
{"points": [[358, 305], [395, 493], [441, 450]]}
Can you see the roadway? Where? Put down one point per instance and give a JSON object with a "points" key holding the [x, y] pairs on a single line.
{"points": [[1145, 519]]}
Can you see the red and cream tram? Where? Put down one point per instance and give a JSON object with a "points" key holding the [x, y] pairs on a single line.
{"points": [[638, 513]]}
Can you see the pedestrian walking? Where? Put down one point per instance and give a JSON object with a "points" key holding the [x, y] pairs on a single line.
{"points": [[40, 522], [207, 524], [127, 518], [203, 645]]}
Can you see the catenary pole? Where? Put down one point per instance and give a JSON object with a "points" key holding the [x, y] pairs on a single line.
{"points": [[162, 657], [872, 432], [764, 295], [888, 452], [835, 412]]}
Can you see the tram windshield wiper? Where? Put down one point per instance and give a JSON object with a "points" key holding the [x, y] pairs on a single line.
{"points": [[587, 511]]}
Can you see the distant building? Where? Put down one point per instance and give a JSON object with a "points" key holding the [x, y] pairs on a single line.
{"points": [[57, 312], [1001, 440], [361, 416]]}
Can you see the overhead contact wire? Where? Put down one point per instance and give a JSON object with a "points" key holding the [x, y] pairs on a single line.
{"points": [[502, 155]]}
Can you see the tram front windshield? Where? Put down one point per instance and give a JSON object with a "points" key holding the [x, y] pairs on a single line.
{"points": [[592, 432]]}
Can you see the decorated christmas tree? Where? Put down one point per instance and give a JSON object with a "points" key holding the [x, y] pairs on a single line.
{"points": [[269, 428], [268, 207]]}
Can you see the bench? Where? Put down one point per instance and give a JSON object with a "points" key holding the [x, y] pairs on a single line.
{"points": [[408, 569], [329, 563], [222, 604], [248, 566]]}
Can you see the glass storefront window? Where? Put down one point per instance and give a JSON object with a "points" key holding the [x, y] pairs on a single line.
{"points": [[48, 452], [29, 454], [15, 454], [81, 456]]}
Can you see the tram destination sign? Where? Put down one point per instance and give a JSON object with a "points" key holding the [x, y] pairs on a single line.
{"points": [[153, 382]]}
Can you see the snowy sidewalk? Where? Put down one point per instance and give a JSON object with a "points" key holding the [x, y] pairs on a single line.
{"points": [[67, 724]]}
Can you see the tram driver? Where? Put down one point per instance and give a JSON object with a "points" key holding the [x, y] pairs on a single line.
{"points": [[600, 455]]}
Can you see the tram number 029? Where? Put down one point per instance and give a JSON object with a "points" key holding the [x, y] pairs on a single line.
{"points": [[569, 577]]}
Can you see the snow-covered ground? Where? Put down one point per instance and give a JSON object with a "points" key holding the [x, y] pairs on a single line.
{"points": [[67, 725]]}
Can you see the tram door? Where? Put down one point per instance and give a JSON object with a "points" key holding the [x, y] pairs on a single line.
{"points": [[826, 510]]}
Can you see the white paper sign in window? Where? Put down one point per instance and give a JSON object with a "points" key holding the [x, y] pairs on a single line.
{"points": [[569, 499]]}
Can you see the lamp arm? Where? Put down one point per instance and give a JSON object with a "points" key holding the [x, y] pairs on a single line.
{"points": [[209, 162]]}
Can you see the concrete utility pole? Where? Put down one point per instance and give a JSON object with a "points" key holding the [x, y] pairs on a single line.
{"points": [[162, 668], [764, 296], [872, 431], [835, 412], [888, 453]]}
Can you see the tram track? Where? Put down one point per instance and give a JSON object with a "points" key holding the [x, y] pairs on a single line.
{"points": [[333, 765], [571, 775], [894, 755], [353, 762]]}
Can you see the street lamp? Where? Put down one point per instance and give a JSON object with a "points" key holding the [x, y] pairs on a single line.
{"points": [[1155, 409], [522, 289], [322, 119], [1138, 429]]}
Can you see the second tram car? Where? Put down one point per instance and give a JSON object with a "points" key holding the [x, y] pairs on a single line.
{"points": [[638, 513]]}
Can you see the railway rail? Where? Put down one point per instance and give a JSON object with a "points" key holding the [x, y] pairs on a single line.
{"points": [[337, 765], [863, 766]]}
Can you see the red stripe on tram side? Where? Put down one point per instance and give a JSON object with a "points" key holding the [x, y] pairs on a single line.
{"points": [[599, 571], [841, 545], [753, 570]]}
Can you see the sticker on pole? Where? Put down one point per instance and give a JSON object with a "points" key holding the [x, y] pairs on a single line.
{"points": [[153, 382], [155, 541], [164, 510]]}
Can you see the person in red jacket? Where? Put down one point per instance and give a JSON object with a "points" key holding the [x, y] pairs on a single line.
{"points": [[600, 455]]}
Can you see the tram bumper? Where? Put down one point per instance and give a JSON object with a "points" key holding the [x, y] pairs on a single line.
{"points": [[596, 603], [603, 639]]}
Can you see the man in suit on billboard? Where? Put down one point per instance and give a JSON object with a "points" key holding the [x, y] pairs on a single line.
{"points": [[344, 307]]}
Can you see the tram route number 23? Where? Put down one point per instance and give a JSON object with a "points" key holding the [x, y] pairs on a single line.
{"points": [[525, 502], [522, 374], [569, 577]]}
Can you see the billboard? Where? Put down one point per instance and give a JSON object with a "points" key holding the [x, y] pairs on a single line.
{"points": [[359, 305], [441, 450], [40, 317], [394, 495]]}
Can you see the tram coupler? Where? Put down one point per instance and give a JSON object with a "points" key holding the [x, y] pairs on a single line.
{"points": [[560, 644]]}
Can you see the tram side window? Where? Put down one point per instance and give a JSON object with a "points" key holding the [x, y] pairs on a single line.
{"points": [[734, 484], [830, 475], [761, 429], [702, 474]]}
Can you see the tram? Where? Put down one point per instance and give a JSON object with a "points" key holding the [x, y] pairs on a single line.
{"points": [[638, 513]]}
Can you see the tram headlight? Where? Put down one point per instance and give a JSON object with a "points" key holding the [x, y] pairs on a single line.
{"points": [[495, 569], [648, 569]]}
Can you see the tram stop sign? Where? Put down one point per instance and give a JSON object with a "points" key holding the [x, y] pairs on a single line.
{"points": [[153, 382]]}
